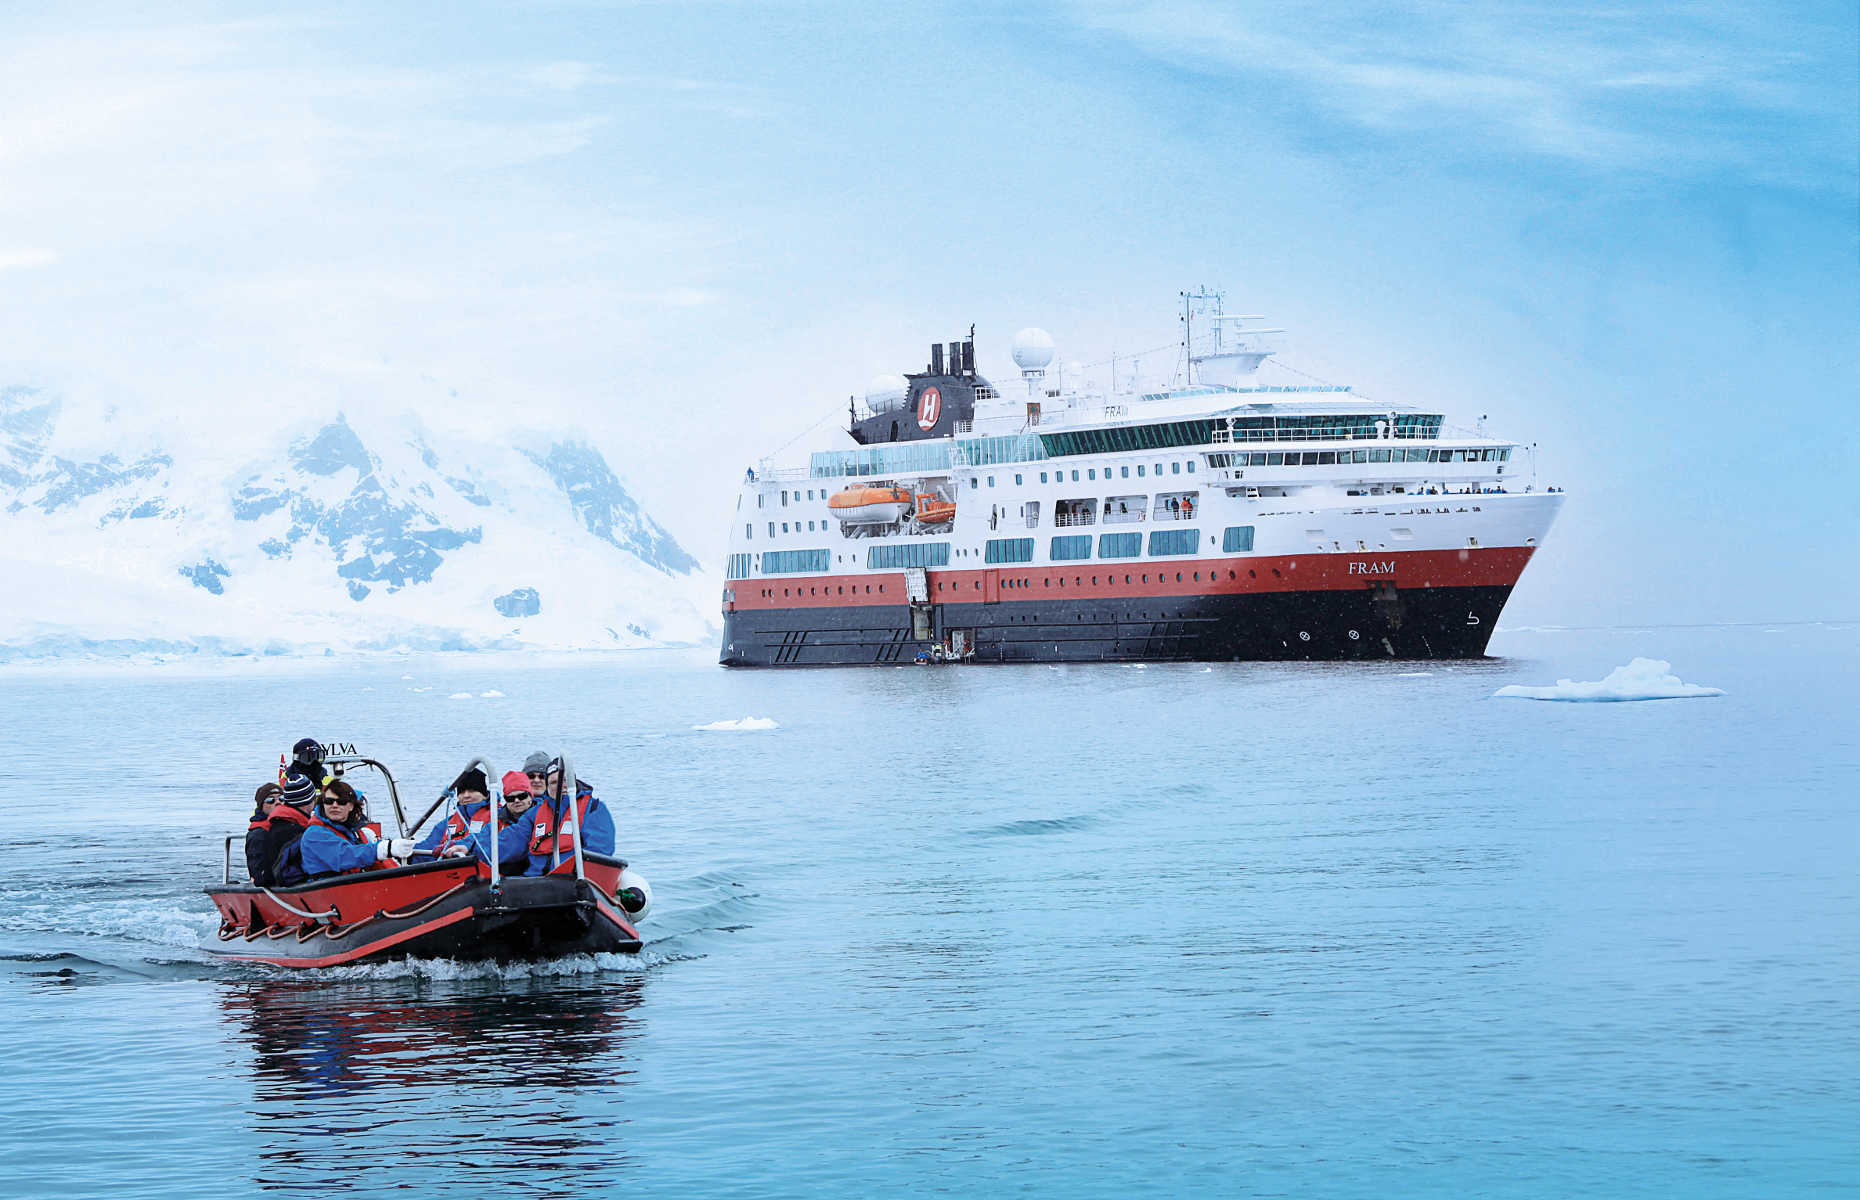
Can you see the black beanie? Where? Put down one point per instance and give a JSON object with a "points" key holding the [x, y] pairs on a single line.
{"points": [[298, 790]]}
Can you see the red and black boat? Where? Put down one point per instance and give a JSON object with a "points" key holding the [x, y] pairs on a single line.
{"points": [[456, 908]]}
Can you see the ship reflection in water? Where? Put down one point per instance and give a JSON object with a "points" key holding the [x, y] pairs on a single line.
{"points": [[404, 1081]]}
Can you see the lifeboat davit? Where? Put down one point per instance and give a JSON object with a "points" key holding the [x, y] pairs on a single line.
{"points": [[870, 505], [457, 908]]}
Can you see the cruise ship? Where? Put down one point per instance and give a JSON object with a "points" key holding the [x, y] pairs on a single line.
{"points": [[1215, 517]]}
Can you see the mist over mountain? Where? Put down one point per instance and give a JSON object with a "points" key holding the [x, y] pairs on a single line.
{"points": [[336, 534]]}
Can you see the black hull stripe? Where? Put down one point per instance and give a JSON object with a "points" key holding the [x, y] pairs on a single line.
{"points": [[1365, 623]]}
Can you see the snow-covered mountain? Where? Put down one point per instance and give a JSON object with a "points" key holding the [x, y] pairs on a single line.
{"points": [[337, 534]]}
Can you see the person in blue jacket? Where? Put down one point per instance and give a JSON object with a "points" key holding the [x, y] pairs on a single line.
{"points": [[471, 807], [339, 839], [515, 820], [594, 825]]}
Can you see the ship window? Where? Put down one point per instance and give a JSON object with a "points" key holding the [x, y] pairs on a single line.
{"points": [[784, 526], [1237, 539], [1191, 466], [1017, 481], [1376, 456], [1504, 455], [1175, 468], [749, 533], [760, 497], [784, 499], [1042, 476], [1139, 470], [1075, 476], [771, 529], [1066, 549], [1120, 545], [794, 562], [991, 481], [917, 554], [1357, 456], [1328, 458], [1091, 472], [1174, 541], [1275, 458], [1008, 550], [1124, 472]]}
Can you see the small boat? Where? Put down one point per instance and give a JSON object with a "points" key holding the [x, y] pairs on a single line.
{"points": [[934, 511], [457, 908], [881, 505]]}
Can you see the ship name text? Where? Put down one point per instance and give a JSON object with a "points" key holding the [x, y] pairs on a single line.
{"points": [[1372, 568]]}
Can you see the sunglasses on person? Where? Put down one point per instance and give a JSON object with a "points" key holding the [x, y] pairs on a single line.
{"points": [[329, 800]]}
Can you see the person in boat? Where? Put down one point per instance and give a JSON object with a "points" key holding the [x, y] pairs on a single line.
{"points": [[536, 766], [516, 819], [290, 816], [471, 807], [307, 760], [592, 821], [264, 801], [340, 838]]}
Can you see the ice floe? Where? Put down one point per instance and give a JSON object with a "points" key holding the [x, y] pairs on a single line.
{"points": [[459, 696], [747, 723], [1642, 679], [493, 694]]}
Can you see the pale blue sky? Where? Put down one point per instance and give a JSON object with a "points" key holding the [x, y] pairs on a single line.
{"points": [[1625, 233]]}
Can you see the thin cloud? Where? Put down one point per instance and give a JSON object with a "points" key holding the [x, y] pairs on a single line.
{"points": [[20, 260], [1602, 86]]}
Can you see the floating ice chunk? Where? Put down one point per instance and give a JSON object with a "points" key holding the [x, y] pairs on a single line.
{"points": [[459, 696], [406, 677], [747, 723], [493, 694], [1642, 679], [1412, 674]]}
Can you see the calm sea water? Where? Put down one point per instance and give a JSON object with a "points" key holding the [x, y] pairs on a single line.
{"points": [[1241, 930]]}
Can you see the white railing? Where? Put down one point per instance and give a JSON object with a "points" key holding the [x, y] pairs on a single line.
{"points": [[1072, 520]]}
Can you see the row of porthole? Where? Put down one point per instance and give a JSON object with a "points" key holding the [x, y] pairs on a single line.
{"points": [[828, 591], [1077, 581]]}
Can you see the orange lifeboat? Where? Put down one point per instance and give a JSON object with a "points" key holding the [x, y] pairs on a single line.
{"points": [[870, 505], [933, 511]]}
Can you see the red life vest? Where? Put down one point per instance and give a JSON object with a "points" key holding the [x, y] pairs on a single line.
{"points": [[459, 827], [368, 834], [544, 837]]}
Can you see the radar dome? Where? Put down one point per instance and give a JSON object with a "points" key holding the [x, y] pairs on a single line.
{"points": [[886, 392], [1033, 349]]}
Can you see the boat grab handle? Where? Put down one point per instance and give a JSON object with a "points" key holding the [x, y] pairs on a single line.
{"points": [[287, 906]]}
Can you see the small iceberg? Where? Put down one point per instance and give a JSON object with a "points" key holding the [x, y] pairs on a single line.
{"points": [[494, 694], [1642, 679], [747, 723], [465, 696]]}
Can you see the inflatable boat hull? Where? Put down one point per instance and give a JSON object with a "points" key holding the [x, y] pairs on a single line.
{"points": [[444, 909]]}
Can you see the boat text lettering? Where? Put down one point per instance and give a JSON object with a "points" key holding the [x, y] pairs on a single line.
{"points": [[1372, 568]]}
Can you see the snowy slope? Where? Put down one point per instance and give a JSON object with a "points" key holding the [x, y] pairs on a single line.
{"points": [[340, 534]]}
